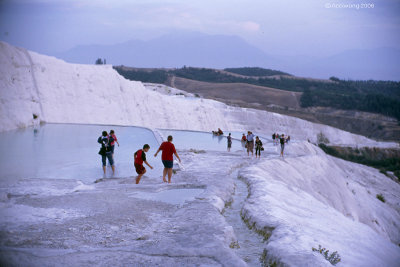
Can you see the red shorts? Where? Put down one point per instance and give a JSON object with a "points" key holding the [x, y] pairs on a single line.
{"points": [[139, 168]]}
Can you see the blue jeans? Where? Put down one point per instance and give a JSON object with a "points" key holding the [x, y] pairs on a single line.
{"points": [[110, 159]]}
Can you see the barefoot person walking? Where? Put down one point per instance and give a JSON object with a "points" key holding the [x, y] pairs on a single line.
{"points": [[112, 134], [259, 147], [105, 150], [282, 140], [250, 143], [140, 157], [168, 150], [229, 138]]}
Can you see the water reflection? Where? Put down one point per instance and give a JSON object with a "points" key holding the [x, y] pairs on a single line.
{"points": [[71, 151], [199, 140]]}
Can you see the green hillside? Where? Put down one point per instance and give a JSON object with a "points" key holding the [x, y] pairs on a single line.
{"points": [[256, 72]]}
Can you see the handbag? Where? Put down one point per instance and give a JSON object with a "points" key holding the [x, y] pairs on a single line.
{"points": [[262, 148], [102, 151]]}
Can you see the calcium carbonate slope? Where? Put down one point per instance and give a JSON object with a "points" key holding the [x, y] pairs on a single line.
{"points": [[51, 90], [309, 199]]}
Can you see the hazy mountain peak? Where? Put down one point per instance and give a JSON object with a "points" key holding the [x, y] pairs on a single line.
{"points": [[197, 49]]}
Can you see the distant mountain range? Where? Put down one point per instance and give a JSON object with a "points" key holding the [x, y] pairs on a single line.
{"points": [[375, 64], [222, 51]]}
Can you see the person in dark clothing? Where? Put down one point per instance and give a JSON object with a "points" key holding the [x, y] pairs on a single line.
{"points": [[140, 157], [275, 138], [259, 146], [105, 151], [229, 138], [282, 140]]}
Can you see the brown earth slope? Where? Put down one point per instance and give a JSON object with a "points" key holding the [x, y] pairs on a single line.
{"points": [[241, 94]]}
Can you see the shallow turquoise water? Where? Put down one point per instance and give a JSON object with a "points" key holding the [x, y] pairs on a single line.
{"points": [[71, 151], [200, 140]]}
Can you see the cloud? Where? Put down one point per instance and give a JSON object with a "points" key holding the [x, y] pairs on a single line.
{"points": [[250, 26], [300, 26]]}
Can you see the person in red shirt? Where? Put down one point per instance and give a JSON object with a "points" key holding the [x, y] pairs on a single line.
{"points": [[112, 133], [168, 150], [140, 157]]}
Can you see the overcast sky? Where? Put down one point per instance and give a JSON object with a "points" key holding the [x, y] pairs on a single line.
{"points": [[280, 27]]}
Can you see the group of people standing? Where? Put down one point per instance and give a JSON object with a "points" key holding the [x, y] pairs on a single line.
{"points": [[107, 142], [281, 139], [249, 143]]}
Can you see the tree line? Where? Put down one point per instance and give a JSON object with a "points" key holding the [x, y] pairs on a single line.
{"points": [[256, 72]]}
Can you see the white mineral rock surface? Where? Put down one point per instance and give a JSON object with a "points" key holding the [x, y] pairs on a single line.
{"points": [[301, 201]]}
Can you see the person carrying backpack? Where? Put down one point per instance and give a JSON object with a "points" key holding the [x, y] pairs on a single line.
{"points": [[106, 151], [259, 147]]}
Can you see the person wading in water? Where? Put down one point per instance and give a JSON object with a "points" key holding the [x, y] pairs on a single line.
{"points": [[168, 150]]}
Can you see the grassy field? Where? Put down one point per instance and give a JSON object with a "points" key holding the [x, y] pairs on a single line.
{"points": [[239, 93]]}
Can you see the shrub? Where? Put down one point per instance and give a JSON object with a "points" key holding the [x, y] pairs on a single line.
{"points": [[333, 258], [234, 244], [265, 262], [381, 197], [329, 150], [322, 139]]}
